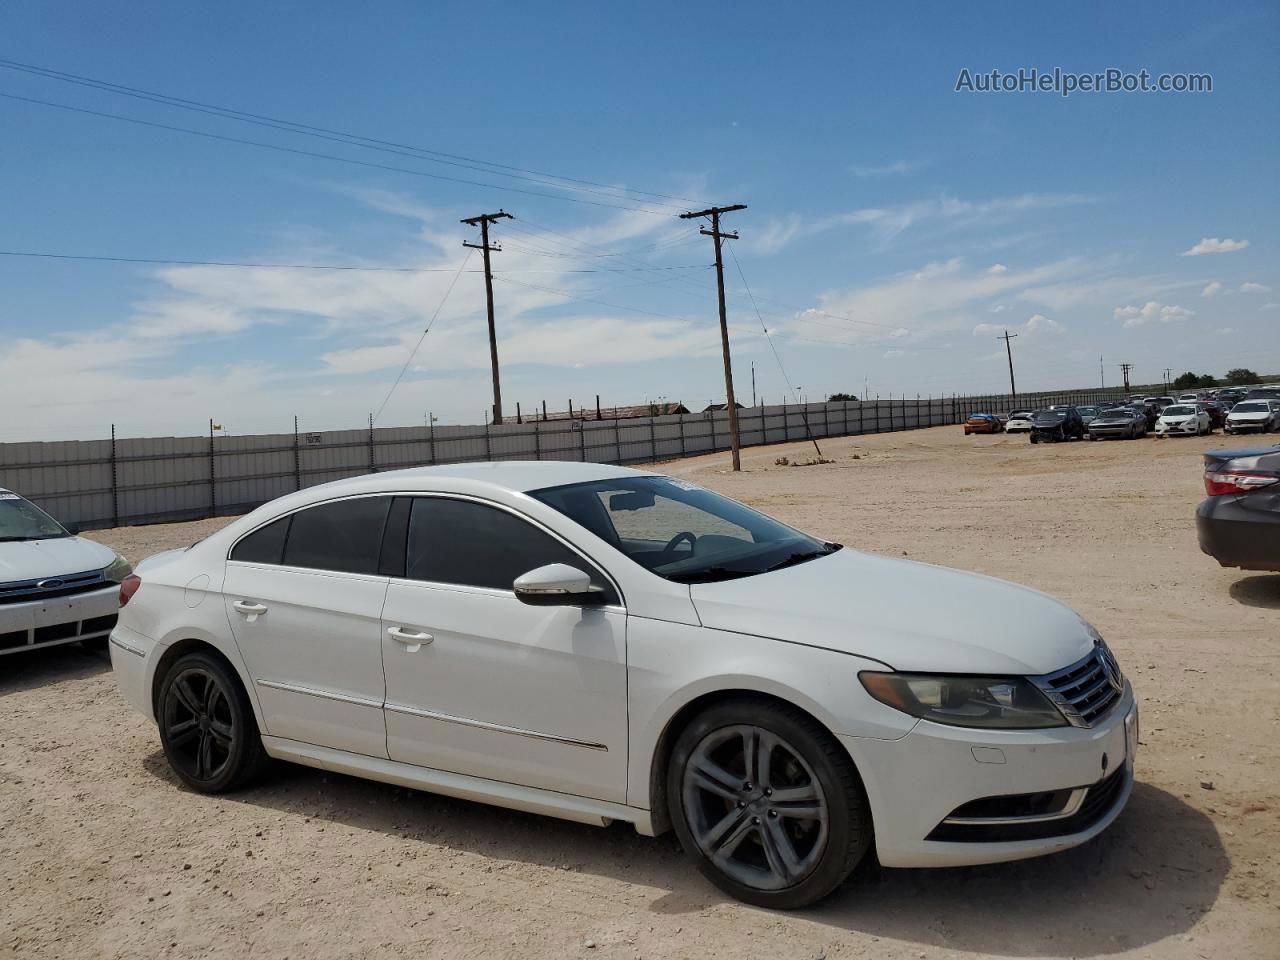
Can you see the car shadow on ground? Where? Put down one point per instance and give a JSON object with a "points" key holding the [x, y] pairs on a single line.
{"points": [[1152, 875], [28, 669], [1261, 591]]}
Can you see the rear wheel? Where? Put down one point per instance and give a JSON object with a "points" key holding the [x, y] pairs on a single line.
{"points": [[767, 804], [207, 727]]}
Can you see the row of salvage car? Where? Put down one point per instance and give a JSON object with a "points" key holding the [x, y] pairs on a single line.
{"points": [[1137, 417]]}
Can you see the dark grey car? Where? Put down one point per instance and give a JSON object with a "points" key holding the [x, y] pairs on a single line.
{"points": [[1127, 422], [1239, 524]]}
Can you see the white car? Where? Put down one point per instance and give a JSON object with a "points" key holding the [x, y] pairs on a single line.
{"points": [[1019, 421], [54, 587], [599, 644], [1184, 420], [1189, 398], [1249, 415]]}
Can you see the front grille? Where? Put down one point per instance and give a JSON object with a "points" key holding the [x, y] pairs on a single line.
{"points": [[24, 591], [1087, 690]]}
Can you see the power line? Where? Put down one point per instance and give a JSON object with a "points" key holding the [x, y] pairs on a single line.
{"points": [[357, 268], [326, 156], [339, 136], [414, 352]]}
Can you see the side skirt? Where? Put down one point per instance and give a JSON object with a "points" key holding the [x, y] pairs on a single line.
{"points": [[599, 813]]}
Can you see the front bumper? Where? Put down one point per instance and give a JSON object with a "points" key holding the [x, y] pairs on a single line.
{"points": [[916, 783], [49, 622], [1191, 428], [1245, 426]]}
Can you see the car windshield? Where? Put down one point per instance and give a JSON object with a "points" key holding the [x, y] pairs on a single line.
{"points": [[1119, 413], [1087, 411], [1179, 411], [682, 532], [1051, 415], [1250, 406], [22, 520], [1019, 414]]}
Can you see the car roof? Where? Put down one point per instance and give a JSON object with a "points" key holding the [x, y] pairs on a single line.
{"points": [[519, 476]]}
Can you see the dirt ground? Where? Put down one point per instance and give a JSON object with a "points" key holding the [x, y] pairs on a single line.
{"points": [[102, 854]]}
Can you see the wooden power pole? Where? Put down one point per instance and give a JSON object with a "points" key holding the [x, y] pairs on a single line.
{"points": [[718, 237], [1009, 350], [483, 222], [1125, 368]]}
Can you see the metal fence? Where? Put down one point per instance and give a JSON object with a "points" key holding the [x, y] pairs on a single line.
{"points": [[115, 482]]}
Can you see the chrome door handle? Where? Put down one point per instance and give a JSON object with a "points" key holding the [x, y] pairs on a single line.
{"points": [[412, 640], [250, 609]]}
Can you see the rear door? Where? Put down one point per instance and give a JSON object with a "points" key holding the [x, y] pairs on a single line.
{"points": [[482, 684], [304, 598]]}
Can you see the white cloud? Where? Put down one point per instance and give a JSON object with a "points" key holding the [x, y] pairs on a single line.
{"points": [[1215, 245], [1225, 330], [998, 268], [1270, 306], [1211, 289], [1000, 308], [890, 354], [1151, 312], [1036, 324], [1254, 288], [888, 222]]}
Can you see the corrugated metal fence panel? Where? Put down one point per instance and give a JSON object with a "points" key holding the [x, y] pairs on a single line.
{"points": [[165, 478]]}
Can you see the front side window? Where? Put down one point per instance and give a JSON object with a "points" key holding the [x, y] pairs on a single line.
{"points": [[680, 531], [472, 544], [22, 520]]}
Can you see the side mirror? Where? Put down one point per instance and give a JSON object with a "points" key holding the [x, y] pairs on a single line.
{"points": [[556, 584]]}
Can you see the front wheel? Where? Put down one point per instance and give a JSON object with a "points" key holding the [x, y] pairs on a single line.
{"points": [[767, 803], [207, 728]]}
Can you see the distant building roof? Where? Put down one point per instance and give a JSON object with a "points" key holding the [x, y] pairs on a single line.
{"points": [[721, 406], [627, 412]]}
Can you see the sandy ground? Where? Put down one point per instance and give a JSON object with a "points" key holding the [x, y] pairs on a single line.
{"points": [[103, 855]]}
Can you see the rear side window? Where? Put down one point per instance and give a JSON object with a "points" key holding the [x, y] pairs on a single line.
{"points": [[265, 545], [471, 544], [345, 536]]}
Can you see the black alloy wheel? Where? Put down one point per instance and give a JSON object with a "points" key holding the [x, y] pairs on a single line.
{"points": [[207, 727]]}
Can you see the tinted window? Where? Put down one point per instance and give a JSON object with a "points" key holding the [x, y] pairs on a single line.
{"points": [[265, 545], [344, 536], [467, 543]]}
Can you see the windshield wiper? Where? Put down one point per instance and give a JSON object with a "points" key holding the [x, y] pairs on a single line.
{"points": [[710, 575], [795, 558]]}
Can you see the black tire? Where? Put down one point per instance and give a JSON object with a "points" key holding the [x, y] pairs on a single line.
{"points": [[207, 727], [781, 854], [1034, 439]]}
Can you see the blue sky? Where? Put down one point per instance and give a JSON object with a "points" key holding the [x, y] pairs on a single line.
{"points": [[894, 227]]}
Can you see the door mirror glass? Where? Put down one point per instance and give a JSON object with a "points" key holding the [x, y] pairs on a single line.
{"points": [[556, 584]]}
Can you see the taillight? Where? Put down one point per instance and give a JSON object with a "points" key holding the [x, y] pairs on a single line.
{"points": [[128, 587], [1237, 481]]}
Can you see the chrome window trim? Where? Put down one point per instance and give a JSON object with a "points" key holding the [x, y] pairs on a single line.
{"points": [[322, 694], [1074, 801], [494, 727]]}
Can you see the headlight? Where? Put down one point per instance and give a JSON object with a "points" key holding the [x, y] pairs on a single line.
{"points": [[117, 570], [1010, 703]]}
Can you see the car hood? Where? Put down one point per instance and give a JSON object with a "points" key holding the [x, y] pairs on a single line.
{"points": [[909, 616], [1101, 421], [38, 559]]}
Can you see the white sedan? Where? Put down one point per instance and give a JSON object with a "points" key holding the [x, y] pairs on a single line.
{"points": [[600, 644], [55, 587], [1183, 420], [1019, 421], [1249, 415]]}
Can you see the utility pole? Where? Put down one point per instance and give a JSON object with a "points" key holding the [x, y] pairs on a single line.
{"points": [[483, 222], [718, 237], [1102, 372], [1125, 368], [1168, 379], [1009, 350], [753, 383]]}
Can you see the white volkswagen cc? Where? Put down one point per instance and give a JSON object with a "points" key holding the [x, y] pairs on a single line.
{"points": [[597, 643]]}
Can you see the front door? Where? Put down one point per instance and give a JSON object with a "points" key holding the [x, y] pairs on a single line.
{"points": [[478, 682], [304, 599]]}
